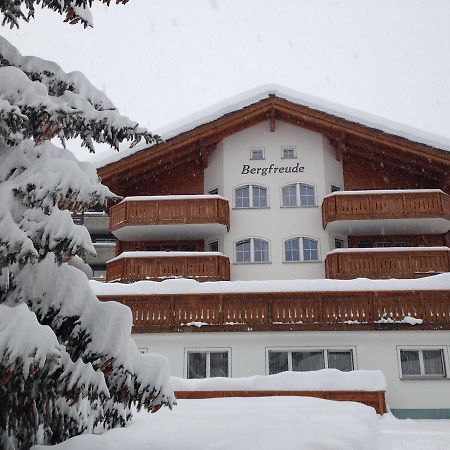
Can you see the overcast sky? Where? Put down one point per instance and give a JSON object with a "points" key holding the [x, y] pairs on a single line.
{"points": [[162, 60]]}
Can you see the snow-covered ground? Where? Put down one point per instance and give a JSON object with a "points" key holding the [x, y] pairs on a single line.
{"points": [[286, 423]]}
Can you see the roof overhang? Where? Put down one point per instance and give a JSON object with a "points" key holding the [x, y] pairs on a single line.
{"points": [[346, 136]]}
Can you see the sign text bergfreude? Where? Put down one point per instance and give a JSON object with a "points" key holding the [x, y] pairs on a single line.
{"points": [[246, 169]]}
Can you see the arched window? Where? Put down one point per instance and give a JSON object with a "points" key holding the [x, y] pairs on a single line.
{"points": [[301, 249], [298, 195], [252, 250], [250, 196]]}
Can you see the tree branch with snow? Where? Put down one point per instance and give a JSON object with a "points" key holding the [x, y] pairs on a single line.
{"points": [[67, 361]]}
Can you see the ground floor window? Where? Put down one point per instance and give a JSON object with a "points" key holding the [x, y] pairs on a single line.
{"points": [[208, 363], [303, 360], [422, 363]]}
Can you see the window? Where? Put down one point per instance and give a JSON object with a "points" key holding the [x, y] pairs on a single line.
{"points": [[207, 363], [288, 153], [422, 363], [257, 153], [250, 196], [365, 244], [301, 249], [402, 244], [252, 250], [213, 246], [382, 244], [338, 243], [298, 194], [214, 191], [304, 360], [335, 188]]}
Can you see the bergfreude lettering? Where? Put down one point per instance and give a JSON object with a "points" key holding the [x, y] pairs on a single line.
{"points": [[246, 169]]}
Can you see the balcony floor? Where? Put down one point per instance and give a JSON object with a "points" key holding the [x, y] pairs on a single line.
{"points": [[169, 232], [389, 226]]}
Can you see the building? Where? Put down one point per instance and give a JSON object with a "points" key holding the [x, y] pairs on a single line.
{"points": [[349, 220]]}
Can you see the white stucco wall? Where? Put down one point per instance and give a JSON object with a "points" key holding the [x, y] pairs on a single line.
{"points": [[372, 350], [275, 223]]}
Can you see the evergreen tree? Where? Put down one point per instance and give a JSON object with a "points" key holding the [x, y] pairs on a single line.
{"points": [[67, 361]]}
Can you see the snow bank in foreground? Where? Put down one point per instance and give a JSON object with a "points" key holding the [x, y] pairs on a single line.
{"points": [[186, 286], [320, 380], [273, 423]]}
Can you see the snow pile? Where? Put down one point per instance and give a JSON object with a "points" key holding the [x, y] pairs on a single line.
{"points": [[188, 286], [319, 380], [266, 423], [161, 254]]}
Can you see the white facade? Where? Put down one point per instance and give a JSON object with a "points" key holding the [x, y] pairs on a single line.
{"points": [[371, 350], [314, 164]]}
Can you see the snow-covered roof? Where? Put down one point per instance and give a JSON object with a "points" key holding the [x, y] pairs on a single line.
{"points": [[188, 286], [261, 92]]}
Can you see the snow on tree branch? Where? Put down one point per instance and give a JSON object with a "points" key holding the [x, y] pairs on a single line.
{"points": [[39, 100], [74, 10], [67, 361]]}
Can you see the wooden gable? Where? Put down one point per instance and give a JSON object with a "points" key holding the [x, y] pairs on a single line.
{"points": [[187, 153]]}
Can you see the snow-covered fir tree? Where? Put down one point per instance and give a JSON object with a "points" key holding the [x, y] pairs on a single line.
{"points": [[67, 361]]}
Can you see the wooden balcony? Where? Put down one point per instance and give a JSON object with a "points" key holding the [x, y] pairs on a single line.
{"points": [[288, 311], [390, 212], [157, 266], [392, 262], [159, 218]]}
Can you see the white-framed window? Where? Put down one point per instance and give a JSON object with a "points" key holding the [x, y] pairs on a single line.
{"points": [[422, 362], [213, 246], [288, 152], [257, 153], [298, 195], [301, 249], [214, 191], [207, 362], [251, 196], [307, 359], [252, 250]]}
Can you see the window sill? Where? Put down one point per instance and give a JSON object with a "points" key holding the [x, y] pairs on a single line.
{"points": [[424, 377], [251, 263], [297, 206], [250, 207], [303, 262]]}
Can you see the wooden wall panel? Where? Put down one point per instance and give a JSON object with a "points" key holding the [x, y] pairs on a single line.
{"points": [[186, 179], [361, 173], [427, 240]]}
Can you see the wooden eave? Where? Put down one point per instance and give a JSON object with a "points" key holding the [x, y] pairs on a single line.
{"points": [[353, 138]]}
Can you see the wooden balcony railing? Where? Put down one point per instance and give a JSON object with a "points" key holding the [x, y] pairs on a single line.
{"points": [[372, 205], [202, 209], [375, 399], [197, 265], [287, 311], [411, 262]]}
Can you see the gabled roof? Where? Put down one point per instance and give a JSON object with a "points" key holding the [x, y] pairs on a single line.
{"points": [[349, 131]]}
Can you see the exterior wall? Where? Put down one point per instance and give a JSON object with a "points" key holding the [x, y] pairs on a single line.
{"points": [[373, 350], [361, 173], [187, 179], [274, 223], [131, 246]]}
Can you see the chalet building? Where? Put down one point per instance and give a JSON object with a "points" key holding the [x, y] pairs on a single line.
{"points": [[277, 235]]}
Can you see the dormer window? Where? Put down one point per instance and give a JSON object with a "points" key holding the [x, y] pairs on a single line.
{"points": [[257, 153]]}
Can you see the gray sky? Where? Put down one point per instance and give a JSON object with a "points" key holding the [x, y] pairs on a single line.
{"points": [[162, 60]]}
